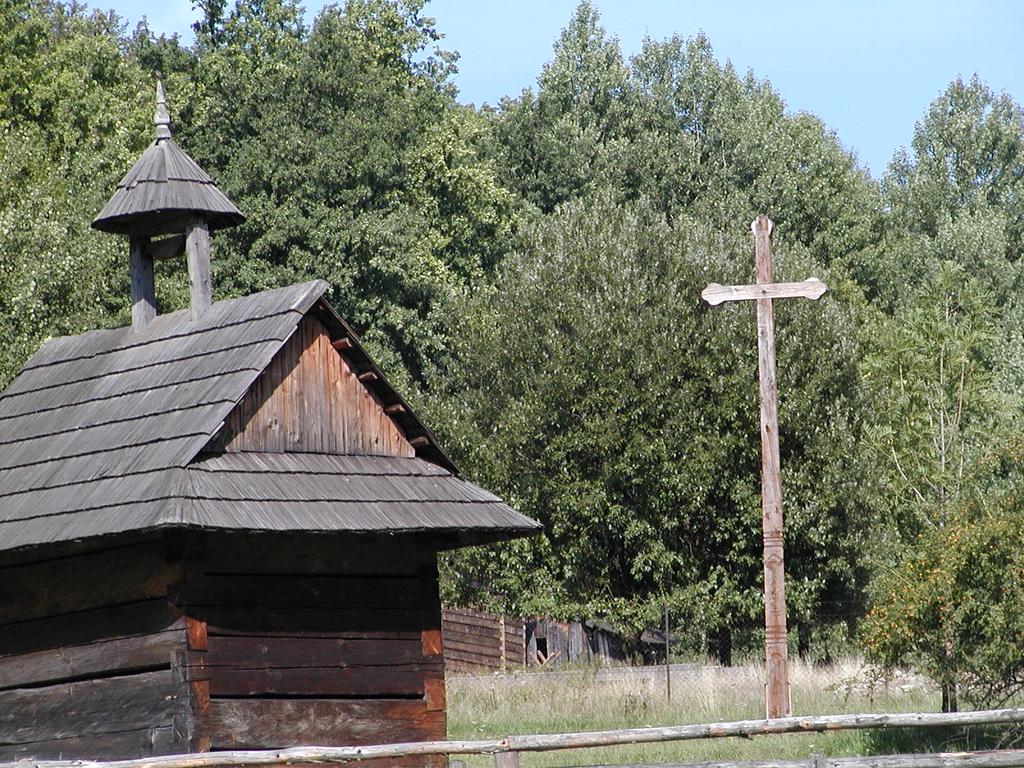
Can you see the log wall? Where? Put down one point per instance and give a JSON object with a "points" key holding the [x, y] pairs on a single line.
{"points": [[204, 642], [89, 656], [298, 641]]}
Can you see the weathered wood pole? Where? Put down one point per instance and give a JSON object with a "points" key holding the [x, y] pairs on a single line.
{"points": [[668, 659], [197, 249], [775, 648], [143, 290]]}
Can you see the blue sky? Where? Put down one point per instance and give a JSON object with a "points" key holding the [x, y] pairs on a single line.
{"points": [[867, 68]]}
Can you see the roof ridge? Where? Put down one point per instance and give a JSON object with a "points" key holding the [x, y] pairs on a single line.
{"points": [[150, 335]]}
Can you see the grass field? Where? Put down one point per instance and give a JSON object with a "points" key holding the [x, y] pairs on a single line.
{"points": [[529, 702]]}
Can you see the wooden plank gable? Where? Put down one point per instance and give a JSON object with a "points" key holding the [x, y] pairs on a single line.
{"points": [[310, 399]]}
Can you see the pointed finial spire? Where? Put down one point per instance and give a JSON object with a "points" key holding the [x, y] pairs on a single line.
{"points": [[162, 119]]}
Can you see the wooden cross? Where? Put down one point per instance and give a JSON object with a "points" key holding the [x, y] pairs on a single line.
{"points": [[764, 291]]}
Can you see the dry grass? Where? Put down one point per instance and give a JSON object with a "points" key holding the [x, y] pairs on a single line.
{"points": [[529, 702]]}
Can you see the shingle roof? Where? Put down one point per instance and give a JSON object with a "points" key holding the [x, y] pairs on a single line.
{"points": [[103, 433]]}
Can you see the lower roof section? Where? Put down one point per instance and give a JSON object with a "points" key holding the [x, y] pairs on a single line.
{"points": [[272, 492]]}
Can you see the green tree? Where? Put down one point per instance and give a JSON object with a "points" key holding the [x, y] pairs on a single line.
{"points": [[937, 410], [945, 367], [967, 155], [952, 605], [940, 418], [346, 150], [558, 143], [591, 388], [74, 113]]}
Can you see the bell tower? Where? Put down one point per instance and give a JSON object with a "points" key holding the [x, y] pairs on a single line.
{"points": [[166, 205]]}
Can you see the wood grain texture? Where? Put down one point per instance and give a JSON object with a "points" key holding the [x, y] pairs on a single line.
{"points": [[197, 249], [99, 624], [293, 652], [92, 580], [304, 591], [250, 724], [110, 705], [474, 640], [125, 745], [776, 653], [328, 682], [143, 288], [811, 288], [322, 636], [296, 554], [309, 399], [95, 659], [297, 756]]}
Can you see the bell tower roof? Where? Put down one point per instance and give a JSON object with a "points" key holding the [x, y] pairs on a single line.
{"points": [[164, 190]]}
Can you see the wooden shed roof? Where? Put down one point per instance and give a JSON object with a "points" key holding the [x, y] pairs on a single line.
{"points": [[104, 433]]}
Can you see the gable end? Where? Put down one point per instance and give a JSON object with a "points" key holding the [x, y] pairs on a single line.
{"points": [[310, 400]]}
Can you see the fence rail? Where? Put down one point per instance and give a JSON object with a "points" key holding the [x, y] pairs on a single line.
{"points": [[506, 750]]}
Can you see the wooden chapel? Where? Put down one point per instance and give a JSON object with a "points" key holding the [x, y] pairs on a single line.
{"points": [[219, 527]]}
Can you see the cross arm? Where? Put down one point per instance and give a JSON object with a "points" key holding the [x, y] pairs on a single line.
{"points": [[715, 294]]}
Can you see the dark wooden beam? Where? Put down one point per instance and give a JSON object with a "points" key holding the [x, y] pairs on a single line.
{"points": [[392, 410], [419, 442], [367, 376], [342, 344]]}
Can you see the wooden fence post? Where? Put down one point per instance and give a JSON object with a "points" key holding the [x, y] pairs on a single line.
{"points": [[506, 760]]}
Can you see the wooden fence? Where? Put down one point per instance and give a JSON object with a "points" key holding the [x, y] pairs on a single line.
{"points": [[473, 641], [506, 751]]}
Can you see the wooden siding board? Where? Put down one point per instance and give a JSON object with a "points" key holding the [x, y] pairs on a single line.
{"points": [[390, 680], [141, 742], [93, 580], [95, 659], [296, 554], [126, 418], [319, 591], [325, 621], [98, 367], [257, 724], [111, 621], [307, 392], [91, 707], [473, 640], [291, 652]]}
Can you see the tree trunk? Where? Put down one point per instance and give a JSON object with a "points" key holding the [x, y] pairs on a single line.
{"points": [[803, 640], [720, 646], [949, 697]]}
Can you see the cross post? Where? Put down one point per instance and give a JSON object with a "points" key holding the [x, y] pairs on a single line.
{"points": [[764, 291]]}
